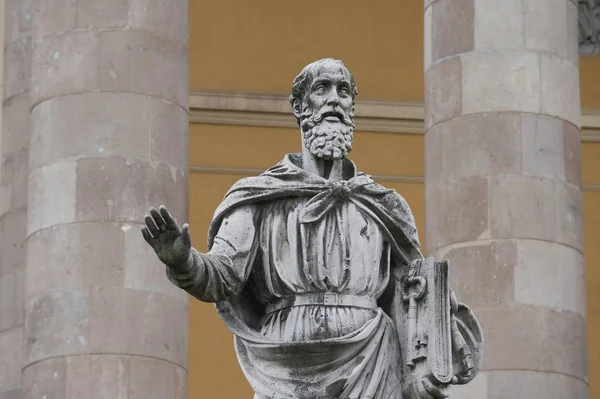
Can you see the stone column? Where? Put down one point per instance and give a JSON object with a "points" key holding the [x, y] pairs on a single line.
{"points": [[13, 191], [109, 133], [503, 186]]}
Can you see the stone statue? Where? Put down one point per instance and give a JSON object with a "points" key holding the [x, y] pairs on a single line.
{"points": [[316, 269]]}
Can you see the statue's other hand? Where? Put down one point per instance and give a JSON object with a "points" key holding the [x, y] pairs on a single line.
{"points": [[436, 391], [171, 243]]}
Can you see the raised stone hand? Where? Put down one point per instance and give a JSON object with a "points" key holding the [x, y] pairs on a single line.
{"points": [[171, 243]]}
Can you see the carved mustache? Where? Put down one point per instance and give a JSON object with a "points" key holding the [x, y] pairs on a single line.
{"points": [[324, 112]]}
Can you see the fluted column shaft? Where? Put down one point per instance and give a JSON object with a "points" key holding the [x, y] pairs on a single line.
{"points": [[109, 132], [503, 186]]}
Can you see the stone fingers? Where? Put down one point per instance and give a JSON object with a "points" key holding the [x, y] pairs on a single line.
{"points": [[169, 220], [158, 219], [147, 235], [151, 226], [185, 233]]}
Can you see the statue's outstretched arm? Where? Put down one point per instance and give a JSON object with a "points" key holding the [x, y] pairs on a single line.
{"points": [[211, 277]]}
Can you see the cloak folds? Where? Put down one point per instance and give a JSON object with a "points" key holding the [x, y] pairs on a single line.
{"points": [[366, 363]]}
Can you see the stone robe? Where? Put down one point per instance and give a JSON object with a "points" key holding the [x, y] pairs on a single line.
{"points": [[288, 232]]}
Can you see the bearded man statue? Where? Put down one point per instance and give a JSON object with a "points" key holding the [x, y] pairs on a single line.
{"points": [[317, 271]]}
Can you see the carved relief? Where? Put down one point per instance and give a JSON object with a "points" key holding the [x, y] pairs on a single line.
{"points": [[589, 26]]}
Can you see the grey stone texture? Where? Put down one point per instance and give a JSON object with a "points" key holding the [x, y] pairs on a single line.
{"points": [[317, 270], [109, 132], [589, 26], [503, 187], [13, 192]]}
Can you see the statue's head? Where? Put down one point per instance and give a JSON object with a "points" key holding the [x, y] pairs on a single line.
{"points": [[323, 103]]}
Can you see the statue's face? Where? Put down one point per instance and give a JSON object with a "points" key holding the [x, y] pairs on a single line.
{"points": [[327, 119]]}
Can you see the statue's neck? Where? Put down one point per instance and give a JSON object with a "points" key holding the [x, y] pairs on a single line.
{"points": [[327, 169]]}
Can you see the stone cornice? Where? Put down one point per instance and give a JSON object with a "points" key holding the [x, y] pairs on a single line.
{"points": [[589, 26], [247, 109]]}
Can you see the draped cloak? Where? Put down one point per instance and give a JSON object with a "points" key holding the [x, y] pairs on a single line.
{"points": [[365, 363]]}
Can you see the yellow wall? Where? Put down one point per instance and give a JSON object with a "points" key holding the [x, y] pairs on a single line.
{"points": [[259, 46]]}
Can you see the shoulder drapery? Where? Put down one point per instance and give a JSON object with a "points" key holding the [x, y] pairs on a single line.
{"points": [[287, 179]]}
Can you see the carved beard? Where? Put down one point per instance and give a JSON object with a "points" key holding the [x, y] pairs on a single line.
{"points": [[325, 139]]}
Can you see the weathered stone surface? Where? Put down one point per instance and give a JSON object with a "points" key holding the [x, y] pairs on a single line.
{"points": [[526, 272], [480, 145], [65, 64], [560, 88], [77, 322], [105, 376], [13, 174], [144, 384], [61, 258], [101, 189], [572, 148], [120, 190], [573, 32], [428, 31], [517, 202], [11, 347], [12, 244], [504, 384], [512, 82], [16, 72], [11, 394], [143, 271], [530, 384], [541, 18], [453, 29], [569, 203], [498, 25], [52, 196], [124, 60], [98, 376], [12, 299], [476, 389], [53, 16], [57, 324], [4, 199], [110, 85], [15, 124], [18, 18], [113, 308], [537, 330], [443, 91], [86, 60], [47, 378], [126, 125], [168, 126], [102, 14], [17, 56], [543, 146], [456, 211], [472, 263], [515, 250], [168, 17], [550, 275]]}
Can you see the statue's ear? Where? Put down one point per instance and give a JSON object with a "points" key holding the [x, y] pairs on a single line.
{"points": [[297, 108]]}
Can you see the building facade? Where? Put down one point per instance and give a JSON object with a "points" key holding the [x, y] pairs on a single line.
{"points": [[484, 115]]}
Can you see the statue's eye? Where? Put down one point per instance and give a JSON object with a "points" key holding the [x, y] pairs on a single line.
{"points": [[319, 89], [344, 91]]}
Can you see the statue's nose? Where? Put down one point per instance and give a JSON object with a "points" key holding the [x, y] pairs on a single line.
{"points": [[333, 99]]}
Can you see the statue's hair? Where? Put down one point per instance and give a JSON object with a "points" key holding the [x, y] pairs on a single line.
{"points": [[303, 81]]}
